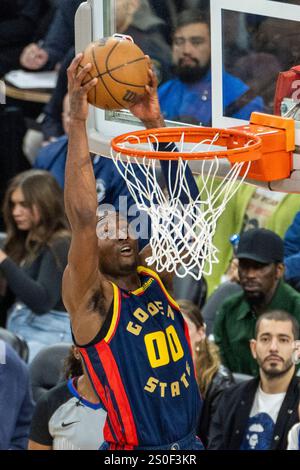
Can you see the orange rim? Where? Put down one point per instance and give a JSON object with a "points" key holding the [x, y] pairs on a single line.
{"points": [[241, 146]]}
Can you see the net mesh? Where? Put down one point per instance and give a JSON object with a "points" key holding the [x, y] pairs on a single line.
{"points": [[181, 233]]}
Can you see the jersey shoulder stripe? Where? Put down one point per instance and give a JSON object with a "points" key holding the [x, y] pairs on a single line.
{"points": [[116, 313], [154, 275]]}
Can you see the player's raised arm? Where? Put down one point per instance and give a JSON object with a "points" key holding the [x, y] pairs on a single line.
{"points": [[82, 278], [80, 189]]}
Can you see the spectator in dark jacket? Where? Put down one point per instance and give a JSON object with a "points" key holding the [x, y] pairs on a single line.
{"points": [[59, 39], [34, 258], [258, 414], [212, 377], [16, 405], [19, 21]]}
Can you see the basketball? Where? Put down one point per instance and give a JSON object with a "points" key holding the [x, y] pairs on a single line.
{"points": [[122, 71]]}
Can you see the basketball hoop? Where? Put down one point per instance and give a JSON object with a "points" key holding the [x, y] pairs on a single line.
{"points": [[182, 234]]}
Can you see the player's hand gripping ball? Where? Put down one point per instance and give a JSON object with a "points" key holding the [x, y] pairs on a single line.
{"points": [[122, 71]]}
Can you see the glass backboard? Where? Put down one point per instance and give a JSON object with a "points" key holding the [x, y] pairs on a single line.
{"points": [[252, 40]]}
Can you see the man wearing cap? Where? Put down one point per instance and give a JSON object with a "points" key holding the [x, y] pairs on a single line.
{"points": [[260, 255]]}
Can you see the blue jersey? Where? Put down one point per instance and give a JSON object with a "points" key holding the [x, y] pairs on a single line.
{"points": [[142, 369], [179, 100]]}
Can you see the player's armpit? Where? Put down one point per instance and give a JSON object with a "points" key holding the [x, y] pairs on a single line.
{"points": [[82, 275], [88, 312]]}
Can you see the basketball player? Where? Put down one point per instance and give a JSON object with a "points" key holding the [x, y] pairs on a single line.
{"points": [[131, 334]]}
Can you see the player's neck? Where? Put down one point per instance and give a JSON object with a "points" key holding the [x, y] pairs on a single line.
{"points": [[127, 282]]}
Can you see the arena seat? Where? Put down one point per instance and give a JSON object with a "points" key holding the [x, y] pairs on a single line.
{"points": [[16, 342], [46, 369]]}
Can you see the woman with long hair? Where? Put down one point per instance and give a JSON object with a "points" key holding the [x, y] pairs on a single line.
{"points": [[70, 415], [34, 258], [212, 377]]}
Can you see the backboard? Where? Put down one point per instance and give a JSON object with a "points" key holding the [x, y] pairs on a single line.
{"points": [[251, 40]]}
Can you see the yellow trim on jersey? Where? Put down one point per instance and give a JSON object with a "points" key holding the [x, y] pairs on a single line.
{"points": [[137, 291], [142, 289], [158, 279], [115, 315]]}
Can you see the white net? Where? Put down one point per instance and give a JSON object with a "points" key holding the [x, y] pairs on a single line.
{"points": [[181, 233]]}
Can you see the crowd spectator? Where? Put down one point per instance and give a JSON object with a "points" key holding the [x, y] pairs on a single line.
{"points": [[294, 434], [258, 414], [69, 416], [56, 50], [259, 70], [20, 22], [187, 97], [16, 405], [34, 258], [134, 18], [251, 207], [212, 377], [169, 9], [275, 35], [52, 123], [58, 40], [260, 255]]}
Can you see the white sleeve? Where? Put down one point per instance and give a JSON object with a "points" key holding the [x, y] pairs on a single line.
{"points": [[294, 438]]}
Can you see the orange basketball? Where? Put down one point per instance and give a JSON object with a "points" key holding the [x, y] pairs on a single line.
{"points": [[122, 71]]}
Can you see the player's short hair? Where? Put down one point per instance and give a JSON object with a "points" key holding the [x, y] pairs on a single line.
{"points": [[191, 16], [278, 315]]}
